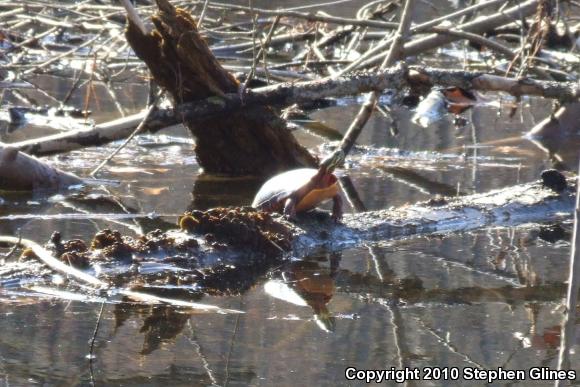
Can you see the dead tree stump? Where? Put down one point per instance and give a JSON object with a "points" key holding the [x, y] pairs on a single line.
{"points": [[253, 140]]}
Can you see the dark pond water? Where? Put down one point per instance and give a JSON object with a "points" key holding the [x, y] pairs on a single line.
{"points": [[485, 299]]}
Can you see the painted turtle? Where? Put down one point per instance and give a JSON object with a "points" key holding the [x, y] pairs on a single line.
{"points": [[302, 189]]}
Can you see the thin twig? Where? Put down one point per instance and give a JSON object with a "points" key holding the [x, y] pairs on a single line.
{"points": [[204, 360], [202, 15], [230, 351], [255, 58], [32, 39], [394, 54], [134, 16], [375, 55], [63, 55], [92, 342], [264, 46], [127, 140], [569, 323], [15, 247]]}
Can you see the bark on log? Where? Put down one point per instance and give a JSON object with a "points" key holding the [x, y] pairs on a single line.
{"points": [[250, 141], [299, 92], [504, 207], [20, 172]]}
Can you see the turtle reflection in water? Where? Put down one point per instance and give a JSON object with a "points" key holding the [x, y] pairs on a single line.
{"points": [[300, 190]]}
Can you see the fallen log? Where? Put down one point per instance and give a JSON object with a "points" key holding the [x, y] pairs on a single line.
{"points": [[243, 228], [20, 172], [299, 92], [508, 206], [100, 134]]}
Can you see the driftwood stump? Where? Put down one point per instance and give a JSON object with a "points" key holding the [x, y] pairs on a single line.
{"points": [[252, 140]]}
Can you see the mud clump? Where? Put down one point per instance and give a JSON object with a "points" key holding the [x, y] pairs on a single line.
{"points": [[74, 259], [232, 230], [437, 201], [111, 246], [73, 252], [241, 227], [554, 180], [114, 245]]}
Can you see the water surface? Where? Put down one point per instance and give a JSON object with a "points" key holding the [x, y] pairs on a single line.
{"points": [[428, 301]]}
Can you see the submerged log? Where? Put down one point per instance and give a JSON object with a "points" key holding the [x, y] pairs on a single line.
{"points": [[249, 141], [100, 134], [20, 172]]}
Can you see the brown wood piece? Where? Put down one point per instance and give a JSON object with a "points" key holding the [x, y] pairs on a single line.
{"points": [[250, 141]]}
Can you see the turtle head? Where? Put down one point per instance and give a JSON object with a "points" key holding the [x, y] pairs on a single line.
{"points": [[331, 162]]}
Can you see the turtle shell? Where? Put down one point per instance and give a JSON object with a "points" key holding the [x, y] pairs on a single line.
{"points": [[276, 190]]}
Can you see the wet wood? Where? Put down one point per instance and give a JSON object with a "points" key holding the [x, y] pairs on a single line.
{"points": [[253, 140], [563, 91], [504, 207], [510, 206], [20, 172], [427, 43], [285, 94], [100, 134]]}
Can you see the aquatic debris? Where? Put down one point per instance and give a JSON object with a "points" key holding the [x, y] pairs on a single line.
{"points": [[554, 179], [430, 110], [241, 227], [63, 118], [162, 258], [440, 101], [47, 258], [110, 246]]}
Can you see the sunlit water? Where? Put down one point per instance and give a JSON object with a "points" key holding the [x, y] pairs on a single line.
{"points": [[485, 299]]}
